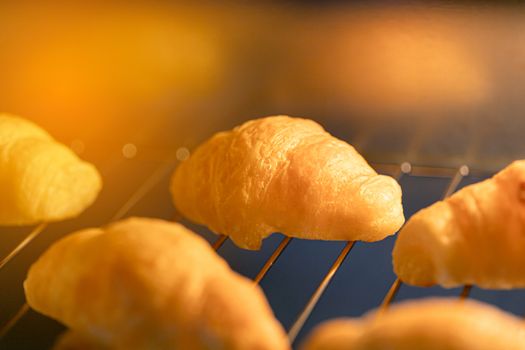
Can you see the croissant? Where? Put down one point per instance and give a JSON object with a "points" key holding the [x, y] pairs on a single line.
{"points": [[40, 179], [476, 236], [431, 324], [288, 175], [150, 284]]}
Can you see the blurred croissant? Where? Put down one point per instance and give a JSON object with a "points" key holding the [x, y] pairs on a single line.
{"points": [[288, 175], [40, 179], [431, 324], [476, 236], [150, 284]]}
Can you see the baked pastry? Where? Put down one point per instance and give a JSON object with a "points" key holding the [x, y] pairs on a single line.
{"points": [[150, 284], [476, 236], [288, 175], [431, 324], [41, 180]]}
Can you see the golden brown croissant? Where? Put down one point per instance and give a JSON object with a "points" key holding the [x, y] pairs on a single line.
{"points": [[40, 179], [431, 324], [288, 175], [476, 236], [150, 284]]}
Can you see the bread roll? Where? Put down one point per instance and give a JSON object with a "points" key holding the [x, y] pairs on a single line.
{"points": [[476, 236], [150, 284], [431, 324], [40, 179], [288, 175]]}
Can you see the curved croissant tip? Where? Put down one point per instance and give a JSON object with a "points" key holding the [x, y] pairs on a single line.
{"points": [[43, 179]]}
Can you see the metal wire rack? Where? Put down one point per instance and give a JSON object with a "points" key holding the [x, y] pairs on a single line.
{"points": [[453, 176]]}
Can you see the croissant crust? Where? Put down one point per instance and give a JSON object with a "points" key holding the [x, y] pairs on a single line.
{"points": [[288, 175]]}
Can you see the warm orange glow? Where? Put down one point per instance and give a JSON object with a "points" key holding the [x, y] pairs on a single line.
{"points": [[409, 64], [104, 68], [401, 60], [105, 74]]}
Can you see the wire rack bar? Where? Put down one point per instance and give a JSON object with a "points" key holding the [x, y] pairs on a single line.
{"points": [[219, 242], [272, 259], [465, 292], [428, 170], [456, 179], [303, 316], [32, 235], [143, 190], [391, 294], [13, 320], [460, 173]]}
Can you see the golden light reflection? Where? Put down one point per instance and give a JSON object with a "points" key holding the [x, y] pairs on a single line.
{"points": [[395, 60], [112, 73], [182, 153], [407, 66], [414, 63], [129, 150], [103, 68]]}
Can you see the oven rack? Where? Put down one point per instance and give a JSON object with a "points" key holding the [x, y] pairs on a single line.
{"points": [[398, 171]]}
